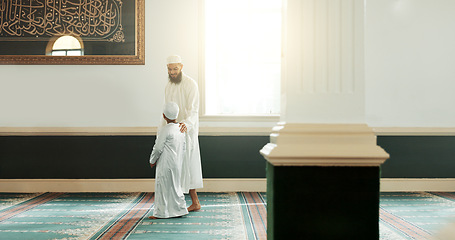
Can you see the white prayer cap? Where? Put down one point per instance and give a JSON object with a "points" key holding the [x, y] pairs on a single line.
{"points": [[174, 59], [171, 110]]}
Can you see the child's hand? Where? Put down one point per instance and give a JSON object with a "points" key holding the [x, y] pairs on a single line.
{"points": [[152, 165]]}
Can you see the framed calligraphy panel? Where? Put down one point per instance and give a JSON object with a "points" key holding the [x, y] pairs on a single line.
{"points": [[72, 32]]}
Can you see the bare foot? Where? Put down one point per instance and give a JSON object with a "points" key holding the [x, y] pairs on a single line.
{"points": [[153, 217], [194, 207]]}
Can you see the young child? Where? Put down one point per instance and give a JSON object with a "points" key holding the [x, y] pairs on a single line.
{"points": [[167, 155]]}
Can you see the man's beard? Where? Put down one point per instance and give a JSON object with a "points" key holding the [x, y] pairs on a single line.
{"points": [[177, 79]]}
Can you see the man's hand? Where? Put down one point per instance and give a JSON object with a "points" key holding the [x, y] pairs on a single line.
{"points": [[182, 127], [152, 165]]}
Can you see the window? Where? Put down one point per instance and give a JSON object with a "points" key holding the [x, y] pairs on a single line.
{"points": [[67, 46], [242, 57]]}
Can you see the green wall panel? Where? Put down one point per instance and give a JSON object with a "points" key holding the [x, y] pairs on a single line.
{"points": [[418, 156], [75, 157], [107, 157], [233, 156]]}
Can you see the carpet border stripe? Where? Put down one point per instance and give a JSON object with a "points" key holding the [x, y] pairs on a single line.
{"points": [[446, 195], [25, 206], [248, 218], [403, 226], [122, 225], [257, 214]]}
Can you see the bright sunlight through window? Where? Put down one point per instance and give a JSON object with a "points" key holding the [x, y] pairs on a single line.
{"points": [[67, 46], [242, 57]]}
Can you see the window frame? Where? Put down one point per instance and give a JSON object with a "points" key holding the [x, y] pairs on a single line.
{"points": [[203, 116]]}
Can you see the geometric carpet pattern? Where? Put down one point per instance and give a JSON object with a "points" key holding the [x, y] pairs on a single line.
{"points": [[416, 215], [124, 216], [90, 216]]}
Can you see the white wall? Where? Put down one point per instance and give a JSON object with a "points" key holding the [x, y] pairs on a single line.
{"points": [[100, 95], [410, 72], [410, 63]]}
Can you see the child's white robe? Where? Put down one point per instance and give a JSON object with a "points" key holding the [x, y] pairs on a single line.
{"points": [[168, 152]]}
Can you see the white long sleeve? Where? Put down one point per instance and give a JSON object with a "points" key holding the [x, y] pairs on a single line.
{"points": [[192, 109], [158, 147]]}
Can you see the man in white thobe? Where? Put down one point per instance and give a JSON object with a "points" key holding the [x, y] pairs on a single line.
{"points": [[168, 154], [183, 90]]}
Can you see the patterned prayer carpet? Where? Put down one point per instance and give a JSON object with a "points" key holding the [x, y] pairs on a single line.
{"points": [[92, 216], [124, 216], [417, 215]]}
